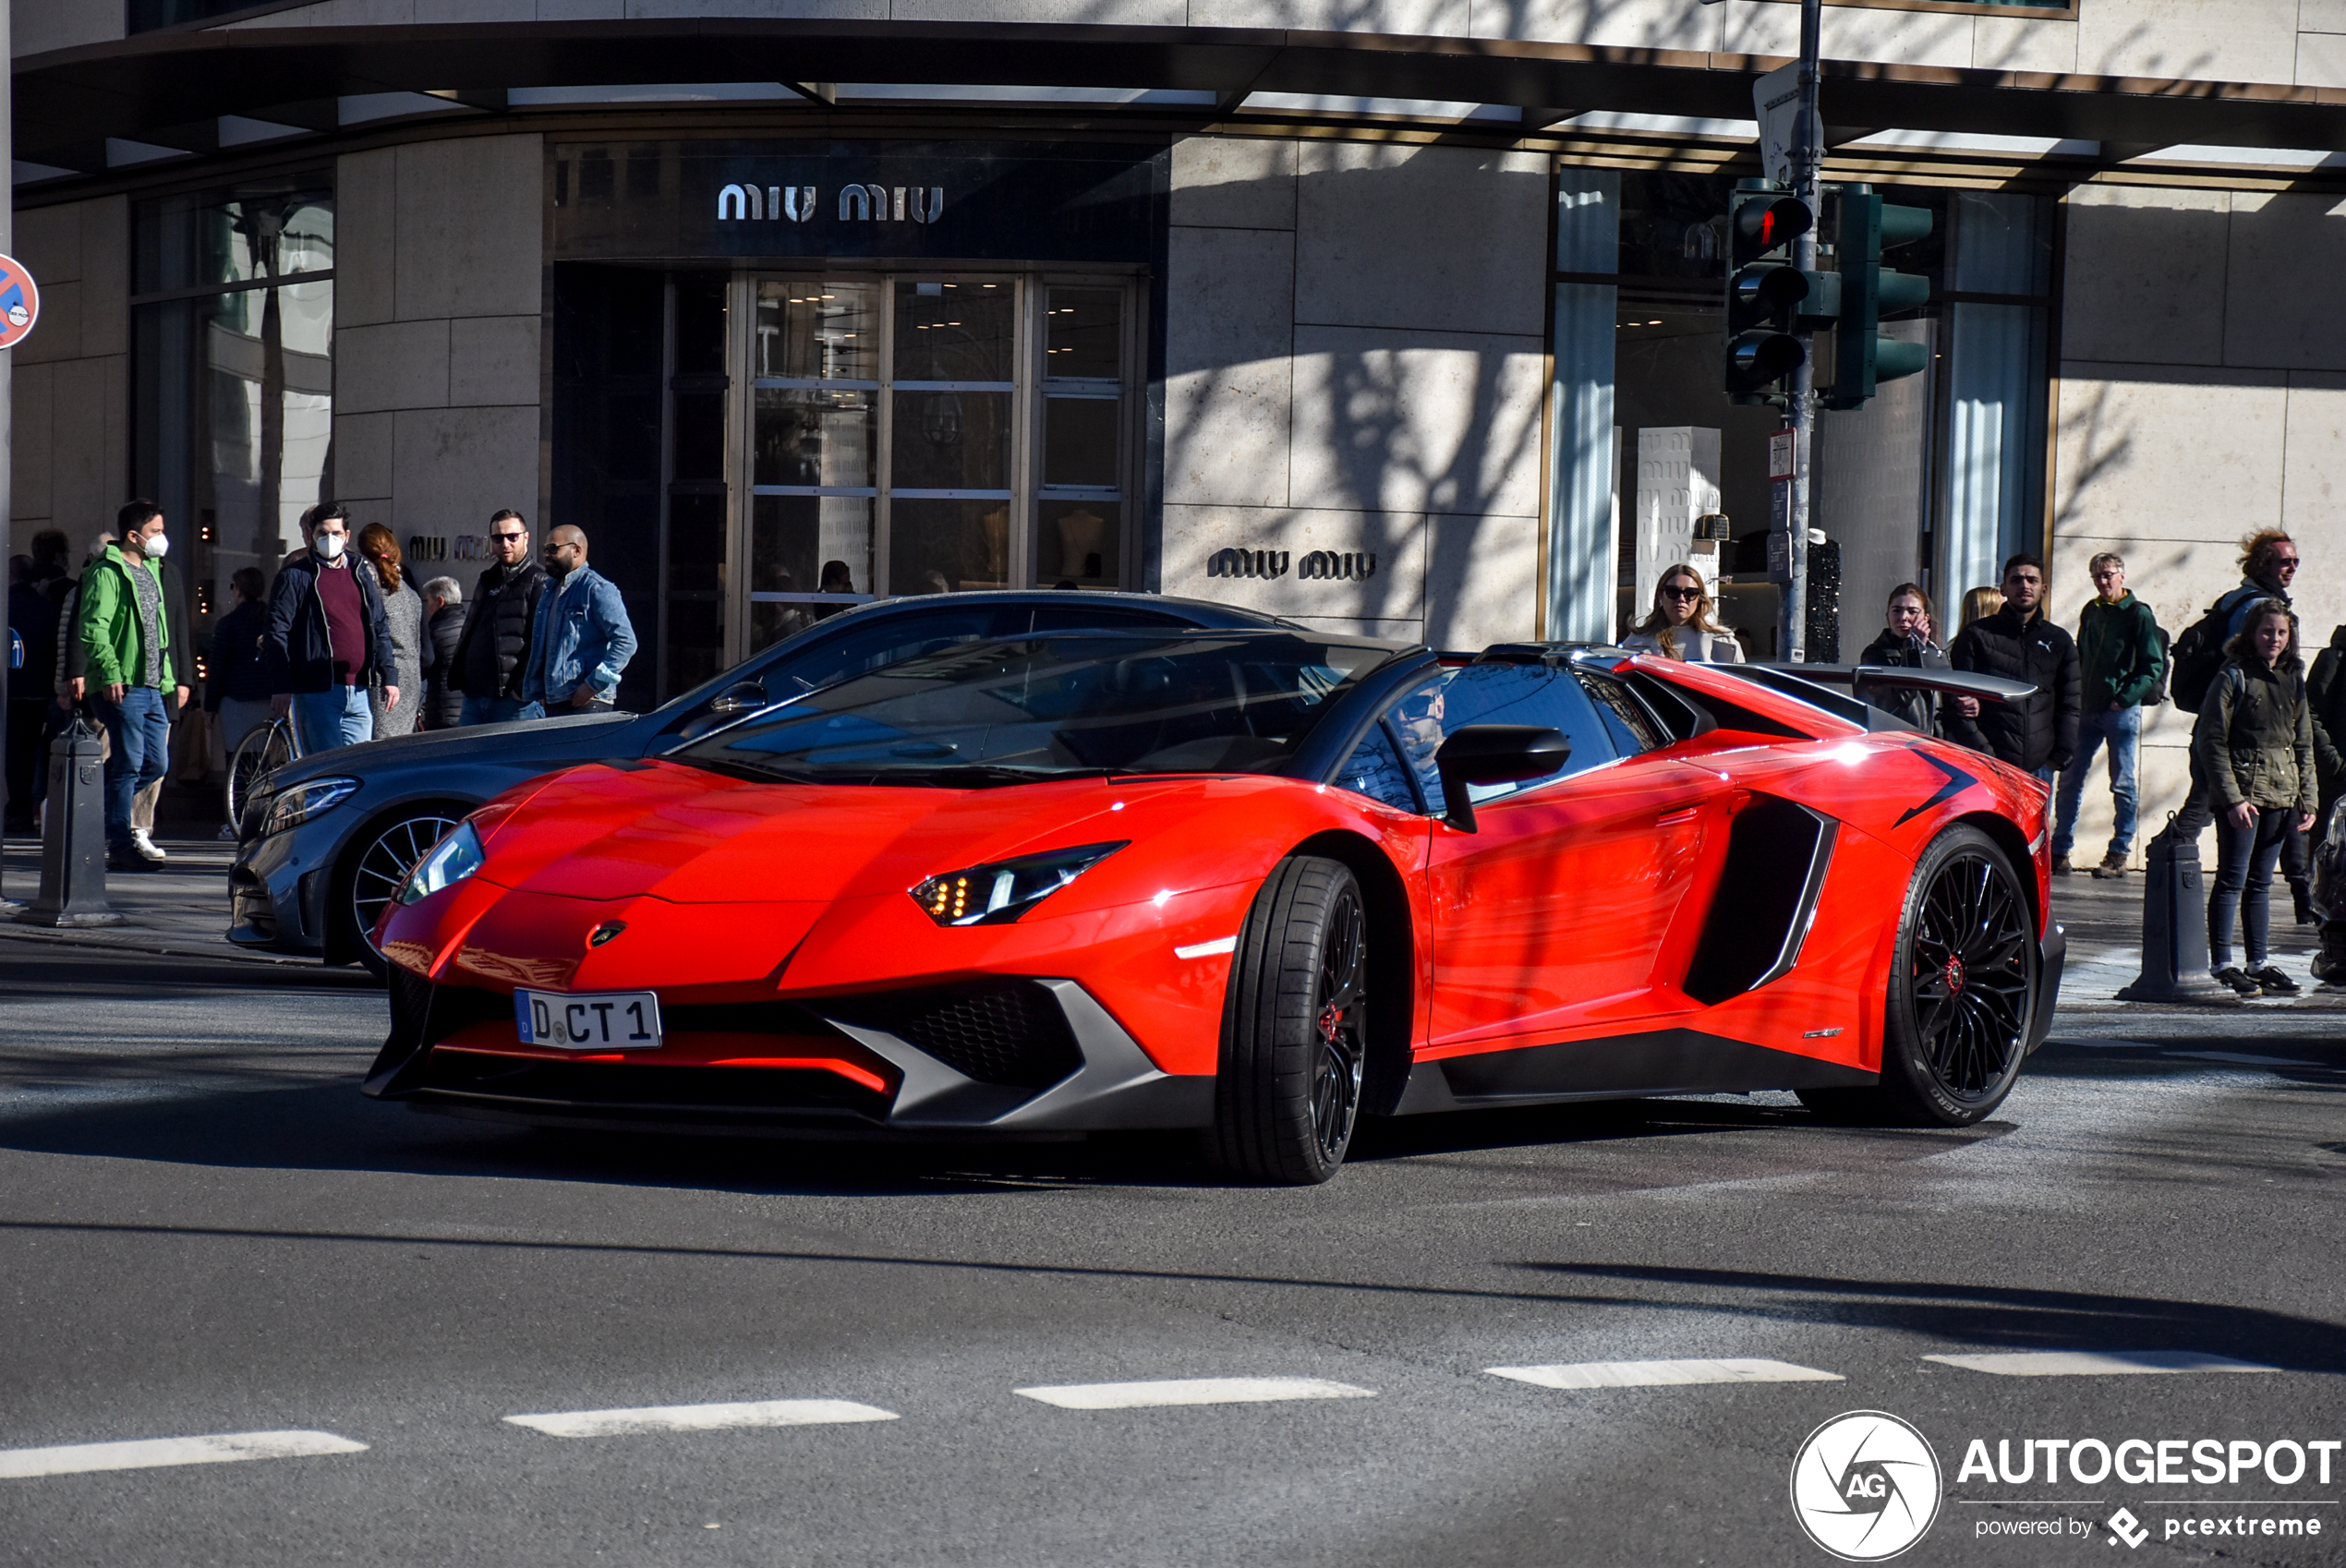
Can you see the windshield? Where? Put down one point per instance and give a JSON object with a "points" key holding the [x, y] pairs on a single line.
{"points": [[1003, 712]]}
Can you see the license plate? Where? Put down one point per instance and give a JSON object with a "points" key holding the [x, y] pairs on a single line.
{"points": [[589, 1020]]}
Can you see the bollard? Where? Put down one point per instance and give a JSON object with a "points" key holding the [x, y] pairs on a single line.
{"points": [[2175, 929], [73, 839]]}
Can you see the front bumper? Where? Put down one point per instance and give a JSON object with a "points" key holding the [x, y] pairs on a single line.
{"points": [[996, 1058], [279, 885]]}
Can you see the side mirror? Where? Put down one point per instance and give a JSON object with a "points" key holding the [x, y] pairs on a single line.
{"points": [[1495, 753], [741, 696]]}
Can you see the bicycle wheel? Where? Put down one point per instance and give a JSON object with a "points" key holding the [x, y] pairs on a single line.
{"points": [[263, 750]]}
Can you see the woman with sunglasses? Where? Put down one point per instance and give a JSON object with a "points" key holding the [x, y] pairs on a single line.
{"points": [[1684, 625]]}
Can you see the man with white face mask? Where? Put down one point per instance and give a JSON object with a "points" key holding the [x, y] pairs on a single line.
{"points": [[327, 639], [125, 634]]}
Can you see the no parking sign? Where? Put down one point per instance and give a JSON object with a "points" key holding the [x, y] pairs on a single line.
{"points": [[19, 301]]}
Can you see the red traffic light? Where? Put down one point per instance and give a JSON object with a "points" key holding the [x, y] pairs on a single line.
{"points": [[1763, 223]]}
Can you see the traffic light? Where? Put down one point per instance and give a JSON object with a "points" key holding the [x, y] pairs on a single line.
{"points": [[1865, 227], [1767, 296]]}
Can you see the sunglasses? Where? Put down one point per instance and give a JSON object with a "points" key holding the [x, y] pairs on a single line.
{"points": [[1682, 592], [507, 538]]}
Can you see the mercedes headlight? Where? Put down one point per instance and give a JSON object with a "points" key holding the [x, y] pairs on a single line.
{"points": [[997, 893], [297, 803], [445, 864]]}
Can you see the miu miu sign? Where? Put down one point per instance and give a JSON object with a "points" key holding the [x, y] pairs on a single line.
{"points": [[1321, 564], [857, 203]]}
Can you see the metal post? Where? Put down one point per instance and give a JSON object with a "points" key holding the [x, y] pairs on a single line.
{"points": [[1807, 165], [7, 370], [73, 842]]}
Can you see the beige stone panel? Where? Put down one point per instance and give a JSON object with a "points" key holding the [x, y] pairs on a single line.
{"points": [[398, 365], [1444, 18], [1235, 182], [1122, 13], [1482, 581], [470, 236], [1230, 377], [105, 276], [87, 486], [2312, 502], [48, 240], [2321, 15], [1632, 24], [1449, 239], [365, 208], [1906, 38], [870, 10], [2023, 43], [363, 453], [430, 11], [1418, 422], [2321, 59], [454, 466], [31, 389], [1394, 590], [321, 15], [35, 27], [2191, 463], [2145, 268], [2189, 39], [494, 360], [580, 10], [2287, 254], [56, 336]]}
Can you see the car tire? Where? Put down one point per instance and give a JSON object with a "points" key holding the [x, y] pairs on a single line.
{"points": [[1962, 992], [377, 860], [1287, 1097]]}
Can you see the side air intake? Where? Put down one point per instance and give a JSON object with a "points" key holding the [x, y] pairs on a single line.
{"points": [[1777, 853]]}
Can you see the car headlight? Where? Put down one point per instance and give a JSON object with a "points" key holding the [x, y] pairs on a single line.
{"points": [[297, 803], [445, 864], [997, 893]]}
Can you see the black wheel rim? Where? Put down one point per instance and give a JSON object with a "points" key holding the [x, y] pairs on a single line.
{"points": [[386, 863], [1970, 975], [1339, 1017]]}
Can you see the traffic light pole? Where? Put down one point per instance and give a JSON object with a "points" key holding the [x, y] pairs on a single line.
{"points": [[1807, 169]]}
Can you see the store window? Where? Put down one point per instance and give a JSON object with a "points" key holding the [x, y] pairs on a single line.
{"points": [[232, 313]]}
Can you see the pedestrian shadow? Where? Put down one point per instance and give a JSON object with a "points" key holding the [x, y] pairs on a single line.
{"points": [[1998, 1317]]}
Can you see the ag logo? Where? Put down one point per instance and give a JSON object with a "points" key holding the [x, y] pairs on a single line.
{"points": [[1865, 1485]]}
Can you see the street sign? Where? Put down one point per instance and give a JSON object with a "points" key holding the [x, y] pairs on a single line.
{"points": [[19, 301], [1776, 96], [1781, 446]]}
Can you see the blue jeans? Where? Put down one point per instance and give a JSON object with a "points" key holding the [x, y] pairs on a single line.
{"points": [[339, 716], [138, 753], [2123, 729], [498, 710]]}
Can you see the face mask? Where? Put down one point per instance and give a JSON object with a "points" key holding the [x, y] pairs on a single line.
{"points": [[158, 546], [330, 546]]}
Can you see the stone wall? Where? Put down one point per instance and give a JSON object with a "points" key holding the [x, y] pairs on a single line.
{"points": [[70, 378], [439, 277], [1353, 368], [2203, 395]]}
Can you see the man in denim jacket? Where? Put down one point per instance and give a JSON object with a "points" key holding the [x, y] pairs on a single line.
{"points": [[583, 639]]}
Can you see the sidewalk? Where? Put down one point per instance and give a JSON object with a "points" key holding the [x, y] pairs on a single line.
{"points": [[181, 909]]}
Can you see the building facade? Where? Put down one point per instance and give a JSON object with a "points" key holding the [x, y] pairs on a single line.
{"points": [[1395, 316]]}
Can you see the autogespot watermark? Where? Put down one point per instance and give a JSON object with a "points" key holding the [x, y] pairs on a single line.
{"points": [[1866, 1484]]}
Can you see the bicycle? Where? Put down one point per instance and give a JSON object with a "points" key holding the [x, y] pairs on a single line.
{"points": [[264, 749]]}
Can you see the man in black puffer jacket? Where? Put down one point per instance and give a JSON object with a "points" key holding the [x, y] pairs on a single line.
{"points": [[494, 654], [443, 629], [2036, 735]]}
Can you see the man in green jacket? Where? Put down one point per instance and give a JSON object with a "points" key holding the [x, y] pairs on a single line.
{"points": [[2123, 660], [125, 638]]}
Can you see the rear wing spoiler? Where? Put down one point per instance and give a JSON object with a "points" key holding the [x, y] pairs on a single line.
{"points": [[1958, 682]]}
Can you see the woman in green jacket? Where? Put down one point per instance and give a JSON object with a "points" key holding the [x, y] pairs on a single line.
{"points": [[2254, 746]]}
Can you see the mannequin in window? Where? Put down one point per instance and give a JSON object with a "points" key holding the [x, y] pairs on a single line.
{"points": [[836, 580], [1080, 531], [994, 527]]}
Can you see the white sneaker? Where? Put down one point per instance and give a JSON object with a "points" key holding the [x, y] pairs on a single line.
{"points": [[144, 841]]}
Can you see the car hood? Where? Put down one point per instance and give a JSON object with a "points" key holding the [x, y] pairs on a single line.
{"points": [[688, 835], [547, 742]]}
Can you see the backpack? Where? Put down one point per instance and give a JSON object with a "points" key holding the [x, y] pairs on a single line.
{"points": [[2198, 653], [2166, 666]]}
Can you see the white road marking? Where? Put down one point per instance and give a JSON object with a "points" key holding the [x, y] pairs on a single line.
{"points": [[1192, 1391], [701, 1417], [1646, 1374], [156, 1452], [1214, 949], [2095, 1363], [2247, 1061]]}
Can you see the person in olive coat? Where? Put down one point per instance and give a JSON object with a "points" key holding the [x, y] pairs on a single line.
{"points": [[2254, 746]]}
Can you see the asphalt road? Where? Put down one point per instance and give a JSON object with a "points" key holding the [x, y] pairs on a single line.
{"points": [[204, 1229]]}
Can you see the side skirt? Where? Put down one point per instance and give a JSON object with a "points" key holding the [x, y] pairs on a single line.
{"points": [[1668, 1061]]}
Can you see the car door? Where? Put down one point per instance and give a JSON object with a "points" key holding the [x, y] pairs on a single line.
{"points": [[1552, 914]]}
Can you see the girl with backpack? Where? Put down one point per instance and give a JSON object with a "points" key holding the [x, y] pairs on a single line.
{"points": [[2254, 746]]}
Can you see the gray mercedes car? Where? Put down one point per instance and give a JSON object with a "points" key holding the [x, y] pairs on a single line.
{"points": [[328, 838]]}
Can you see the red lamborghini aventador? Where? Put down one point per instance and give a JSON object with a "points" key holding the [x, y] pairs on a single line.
{"points": [[1253, 882]]}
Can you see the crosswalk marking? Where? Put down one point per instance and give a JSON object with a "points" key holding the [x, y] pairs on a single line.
{"points": [[155, 1452], [701, 1417], [1192, 1391], [2096, 1363], [1645, 1374], [2238, 1058]]}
